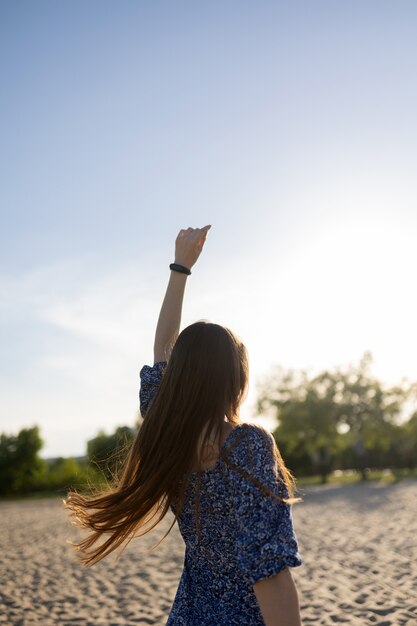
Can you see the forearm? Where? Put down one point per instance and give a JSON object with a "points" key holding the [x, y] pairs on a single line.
{"points": [[188, 246], [169, 320], [278, 600]]}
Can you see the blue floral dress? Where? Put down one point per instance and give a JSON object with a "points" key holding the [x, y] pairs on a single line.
{"points": [[245, 535]]}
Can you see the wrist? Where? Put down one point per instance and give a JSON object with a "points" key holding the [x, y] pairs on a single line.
{"points": [[177, 273], [183, 262], [181, 268]]}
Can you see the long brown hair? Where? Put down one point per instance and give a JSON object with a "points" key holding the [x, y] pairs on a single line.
{"points": [[205, 380]]}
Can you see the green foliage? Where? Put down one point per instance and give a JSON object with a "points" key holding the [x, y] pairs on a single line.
{"points": [[21, 468], [23, 471], [338, 425], [405, 444], [339, 419], [64, 473], [107, 452]]}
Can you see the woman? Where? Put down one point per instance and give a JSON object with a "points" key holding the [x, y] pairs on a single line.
{"points": [[224, 480]]}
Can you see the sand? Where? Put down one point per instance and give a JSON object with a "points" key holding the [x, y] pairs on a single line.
{"points": [[358, 542]]}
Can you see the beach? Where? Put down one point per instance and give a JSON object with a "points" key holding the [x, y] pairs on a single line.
{"points": [[358, 543]]}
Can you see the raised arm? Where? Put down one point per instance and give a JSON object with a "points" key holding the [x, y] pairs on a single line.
{"points": [[188, 246]]}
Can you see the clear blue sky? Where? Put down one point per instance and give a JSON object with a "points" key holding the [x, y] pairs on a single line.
{"points": [[290, 127]]}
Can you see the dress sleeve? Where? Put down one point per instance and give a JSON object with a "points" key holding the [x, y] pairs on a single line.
{"points": [[266, 540], [150, 379]]}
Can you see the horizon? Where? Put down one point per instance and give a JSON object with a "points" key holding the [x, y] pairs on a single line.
{"points": [[290, 128]]}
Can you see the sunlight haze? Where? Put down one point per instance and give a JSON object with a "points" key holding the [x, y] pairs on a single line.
{"points": [[290, 127]]}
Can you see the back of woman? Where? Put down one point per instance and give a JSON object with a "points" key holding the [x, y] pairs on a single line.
{"points": [[224, 480]]}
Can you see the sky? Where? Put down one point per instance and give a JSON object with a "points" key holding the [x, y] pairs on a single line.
{"points": [[290, 127]]}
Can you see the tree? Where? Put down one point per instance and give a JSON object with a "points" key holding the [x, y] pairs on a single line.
{"points": [[307, 418], [368, 412], [64, 473], [406, 442], [108, 451], [335, 415], [21, 468]]}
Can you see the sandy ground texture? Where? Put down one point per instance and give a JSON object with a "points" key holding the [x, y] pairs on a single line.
{"points": [[358, 542]]}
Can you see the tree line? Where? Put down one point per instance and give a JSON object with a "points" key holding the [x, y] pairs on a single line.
{"points": [[23, 471], [341, 419]]}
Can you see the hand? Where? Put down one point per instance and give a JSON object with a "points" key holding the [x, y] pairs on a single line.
{"points": [[189, 244]]}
